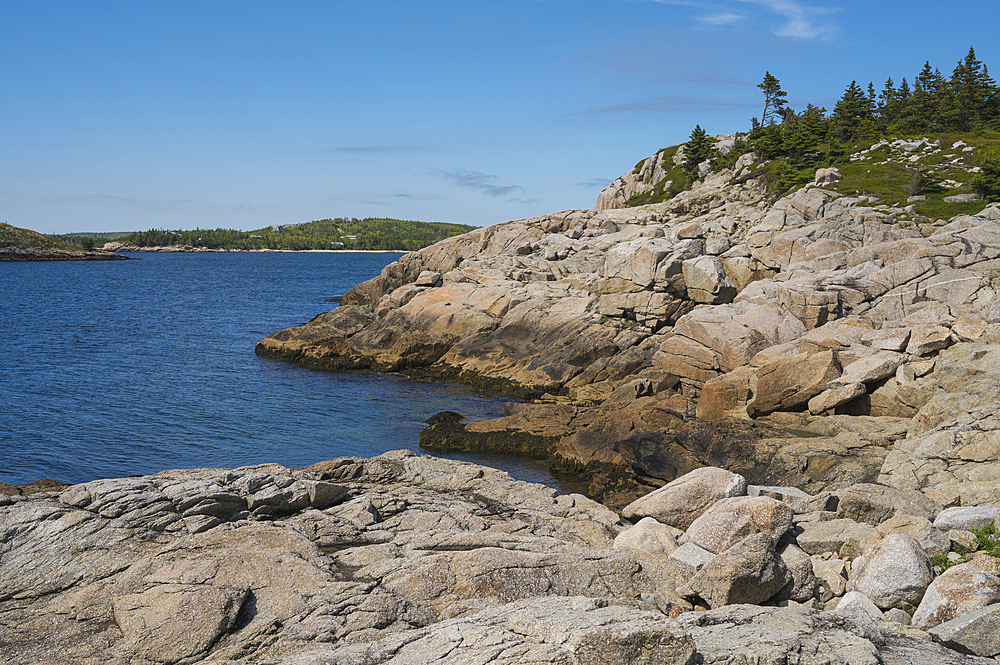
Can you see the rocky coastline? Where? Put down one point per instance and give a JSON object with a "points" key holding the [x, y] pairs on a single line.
{"points": [[27, 253], [785, 412], [830, 351], [414, 559]]}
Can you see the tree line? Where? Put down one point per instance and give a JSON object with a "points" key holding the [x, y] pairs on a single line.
{"points": [[339, 233], [966, 101]]}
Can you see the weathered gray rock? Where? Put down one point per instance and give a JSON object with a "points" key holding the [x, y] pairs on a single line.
{"points": [[803, 584], [687, 560], [741, 634], [681, 501], [959, 590], [648, 536], [544, 630], [931, 540], [729, 521], [749, 572], [874, 504], [847, 538], [965, 518], [109, 571], [857, 605], [976, 633], [894, 572]]}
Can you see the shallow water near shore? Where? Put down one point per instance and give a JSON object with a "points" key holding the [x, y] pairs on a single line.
{"points": [[109, 369]]}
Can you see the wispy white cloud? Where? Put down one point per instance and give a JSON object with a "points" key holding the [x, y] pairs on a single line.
{"points": [[594, 182], [722, 18], [483, 182], [804, 22], [801, 21]]}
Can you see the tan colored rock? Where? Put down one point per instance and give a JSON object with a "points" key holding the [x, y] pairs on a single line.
{"points": [[846, 538], [726, 395], [729, 521], [648, 536], [788, 383], [968, 329], [874, 504], [173, 622], [872, 368], [834, 397], [894, 572], [749, 572], [707, 281], [920, 529], [680, 502], [925, 339], [686, 359], [738, 332], [957, 591]]}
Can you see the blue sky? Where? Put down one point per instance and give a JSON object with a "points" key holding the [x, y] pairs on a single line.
{"points": [[137, 115]]}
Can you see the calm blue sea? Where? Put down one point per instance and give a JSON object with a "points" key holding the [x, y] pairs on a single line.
{"points": [[131, 367]]}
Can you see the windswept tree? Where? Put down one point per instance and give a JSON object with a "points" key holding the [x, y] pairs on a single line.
{"points": [[774, 99]]}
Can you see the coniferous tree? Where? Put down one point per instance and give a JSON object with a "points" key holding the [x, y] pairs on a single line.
{"points": [[973, 91], [774, 99], [697, 149], [851, 112]]}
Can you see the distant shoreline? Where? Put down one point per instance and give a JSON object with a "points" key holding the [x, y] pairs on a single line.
{"points": [[174, 249]]}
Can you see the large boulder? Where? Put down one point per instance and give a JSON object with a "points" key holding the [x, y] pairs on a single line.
{"points": [[847, 538], [959, 590], [729, 521], [874, 504], [976, 633], [739, 634], [789, 383], [965, 518], [895, 572], [648, 536], [542, 630], [681, 501], [749, 572]]}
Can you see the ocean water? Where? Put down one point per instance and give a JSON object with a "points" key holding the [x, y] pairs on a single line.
{"points": [[114, 368]]}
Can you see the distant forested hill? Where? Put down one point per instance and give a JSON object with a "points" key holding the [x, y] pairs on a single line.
{"points": [[340, 233]]}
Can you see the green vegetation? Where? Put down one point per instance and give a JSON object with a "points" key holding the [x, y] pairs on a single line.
{"points": [[987, 540], [946, 110], [697, 149], [676, 180], [340, 233], [12, 236], [986, 183], [863, 137]]}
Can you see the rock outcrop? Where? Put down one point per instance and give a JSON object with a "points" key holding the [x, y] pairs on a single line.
{"points": [[837, 354], [404, 559], [643, 332]]}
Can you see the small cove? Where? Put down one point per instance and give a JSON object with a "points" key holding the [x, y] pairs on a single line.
{"points": [[132, 367]]}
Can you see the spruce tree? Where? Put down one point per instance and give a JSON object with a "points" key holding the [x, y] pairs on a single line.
{"points": [[774, 99], [697, 149], [851, 112]]}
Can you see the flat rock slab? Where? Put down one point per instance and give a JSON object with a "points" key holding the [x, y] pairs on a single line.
{"points": [[561, 631], [752, 634]]}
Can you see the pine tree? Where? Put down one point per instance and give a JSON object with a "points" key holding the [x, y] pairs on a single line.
{"points": [[697, 149], [774, 99], [973, 90], [851, 112]]}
